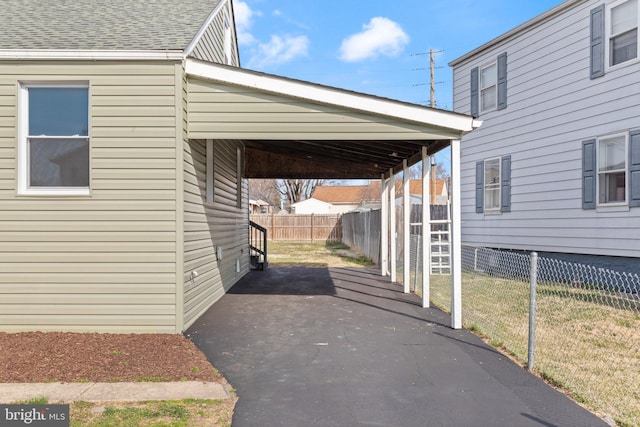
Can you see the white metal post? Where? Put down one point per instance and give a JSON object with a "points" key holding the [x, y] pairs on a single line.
{"points": [[426, 228], [384, 238], [456, 238], [406, 228], [392, 224]]}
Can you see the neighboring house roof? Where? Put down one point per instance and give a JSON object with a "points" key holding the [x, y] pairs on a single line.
{"points": [[103, 24], [366, 193], [345, 194], [415, 187]]}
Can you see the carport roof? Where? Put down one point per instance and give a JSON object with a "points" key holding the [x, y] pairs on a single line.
{"points": [[343, 135]]}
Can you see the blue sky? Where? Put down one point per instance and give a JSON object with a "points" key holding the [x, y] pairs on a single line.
{"points": [[372, 46]]}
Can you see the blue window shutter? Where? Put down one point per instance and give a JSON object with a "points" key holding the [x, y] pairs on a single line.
{"points": [[634, 168], [589, 174], [480, 187], [505, 184], [597, 42], [475, 94], [502, 81]]}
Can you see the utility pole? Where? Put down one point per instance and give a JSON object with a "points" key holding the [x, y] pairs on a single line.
{"points": [[432, 67], [432, 79]]}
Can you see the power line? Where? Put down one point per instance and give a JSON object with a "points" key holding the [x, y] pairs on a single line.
{"points": [[432, 75]]}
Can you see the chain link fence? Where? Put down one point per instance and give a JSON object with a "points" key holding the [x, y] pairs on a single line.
{"points": [[582, 332]]}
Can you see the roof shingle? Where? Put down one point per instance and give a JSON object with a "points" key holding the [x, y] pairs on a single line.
{"points": [[102, 24], [366, 193]]}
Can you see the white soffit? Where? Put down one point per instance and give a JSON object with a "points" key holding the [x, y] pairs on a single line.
{"points": [[332, 96]]}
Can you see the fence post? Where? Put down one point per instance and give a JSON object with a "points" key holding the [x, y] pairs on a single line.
{"points": [[273, 226], [532, 310]]}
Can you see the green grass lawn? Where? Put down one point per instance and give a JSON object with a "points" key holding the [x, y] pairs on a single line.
{"points": [[323, 254]]}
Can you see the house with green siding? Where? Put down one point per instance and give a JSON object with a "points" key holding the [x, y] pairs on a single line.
{"points": [[127, 133]]}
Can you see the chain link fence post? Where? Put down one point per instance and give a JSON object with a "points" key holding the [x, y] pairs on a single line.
{"points": [[532, 311]]}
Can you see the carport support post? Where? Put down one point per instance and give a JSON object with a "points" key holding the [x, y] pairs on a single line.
{"points": [[426, 229], [384, 237], [456, 238], [406, 227], [392, 225]]}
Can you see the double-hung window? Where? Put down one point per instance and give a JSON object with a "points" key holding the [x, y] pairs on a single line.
{"points": [[493, 185], [622, 31], [612, 169], [54, 139], [488, 87]]}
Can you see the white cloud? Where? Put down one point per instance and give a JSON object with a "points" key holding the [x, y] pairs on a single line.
{"points": [[279, 50], [381, 36], [243, 16]]}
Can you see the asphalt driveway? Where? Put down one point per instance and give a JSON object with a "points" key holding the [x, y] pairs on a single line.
{"points": [[344, 347]]}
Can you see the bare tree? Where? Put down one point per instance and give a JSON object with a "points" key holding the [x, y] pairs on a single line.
{"points": [[265, 189], [415, 171], [297, 190]]}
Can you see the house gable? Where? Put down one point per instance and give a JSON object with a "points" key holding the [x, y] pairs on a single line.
{"points": [[217, 39]]}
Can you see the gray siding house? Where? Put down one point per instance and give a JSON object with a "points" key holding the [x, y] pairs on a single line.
{"points": [[556, 164], [127, 129]]}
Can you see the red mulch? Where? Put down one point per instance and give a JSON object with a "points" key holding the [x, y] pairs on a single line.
{"points": [[92, 357]]}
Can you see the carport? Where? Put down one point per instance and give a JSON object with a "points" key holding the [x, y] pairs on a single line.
{"points": [[296, 129]]}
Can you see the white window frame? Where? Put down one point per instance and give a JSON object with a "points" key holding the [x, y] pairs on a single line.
{"points": [[600, 139], [482, 88], [486, 185], [23, 146], [608, 36]]}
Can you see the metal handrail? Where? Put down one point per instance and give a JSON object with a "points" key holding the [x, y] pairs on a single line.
{"points": [[258, 242]]}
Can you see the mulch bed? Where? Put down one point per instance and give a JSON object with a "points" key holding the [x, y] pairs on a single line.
{"points": [[91, 357]]}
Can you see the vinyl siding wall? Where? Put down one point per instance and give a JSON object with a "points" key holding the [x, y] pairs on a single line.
{"points": [[107, 261], [231, 112], [552, 107], [211, 45], [210, 225]]}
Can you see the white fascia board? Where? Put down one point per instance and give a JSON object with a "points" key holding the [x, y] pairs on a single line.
{"points": [[331, 96], [93, 55], [204, 27]]}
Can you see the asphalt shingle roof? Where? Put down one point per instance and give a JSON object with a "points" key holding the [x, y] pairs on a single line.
{"points": [[101, 24], [371, 192]]}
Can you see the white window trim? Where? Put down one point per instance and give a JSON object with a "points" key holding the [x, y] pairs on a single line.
{"points": [[23, 134], [484, 189], [480, 88], [624, 135], [607, 38]]}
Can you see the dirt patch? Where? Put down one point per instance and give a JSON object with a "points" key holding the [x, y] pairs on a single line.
{"points": [[92, 357]]}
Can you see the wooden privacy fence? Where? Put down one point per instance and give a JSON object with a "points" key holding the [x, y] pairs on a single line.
{"points": [[301, 228]]}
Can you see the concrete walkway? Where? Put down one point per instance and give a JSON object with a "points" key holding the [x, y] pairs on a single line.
{"points": [[106, 392], [343, 347]]}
